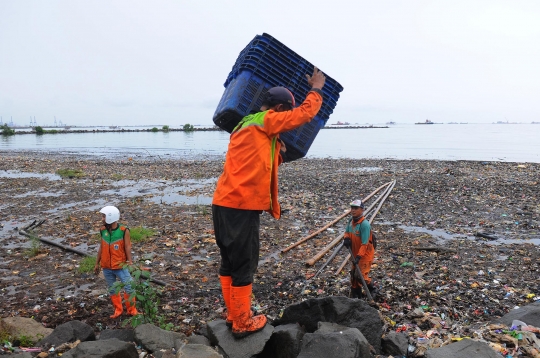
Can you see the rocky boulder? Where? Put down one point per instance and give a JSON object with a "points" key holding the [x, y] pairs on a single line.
{"points": [[466, 348], [107, 348], [529, 314], [344, 311], [349, 343], [69, 332], [285, 342], [155, 340], [22, 326], [220, 335]]}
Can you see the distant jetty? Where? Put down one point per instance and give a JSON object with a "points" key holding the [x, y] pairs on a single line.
{"points": [[114, 129], [355, 127]]}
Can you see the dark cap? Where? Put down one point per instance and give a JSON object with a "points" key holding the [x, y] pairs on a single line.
{"points": [[279, 95]]}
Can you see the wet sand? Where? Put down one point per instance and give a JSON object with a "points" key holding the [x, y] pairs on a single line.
{"points": [[434, 204]]}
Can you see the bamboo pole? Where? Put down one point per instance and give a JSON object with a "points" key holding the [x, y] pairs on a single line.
{"points": [[321, 253], [332, 223], [342, 265]]}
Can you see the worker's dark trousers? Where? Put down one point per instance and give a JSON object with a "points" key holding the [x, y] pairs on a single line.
{"points": [[237, 235]]}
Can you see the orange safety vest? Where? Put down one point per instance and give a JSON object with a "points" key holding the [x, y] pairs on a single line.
{"points": [[113, 249], [250, 175]]}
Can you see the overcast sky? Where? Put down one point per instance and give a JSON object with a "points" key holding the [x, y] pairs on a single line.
{"points": [[164, 62]]}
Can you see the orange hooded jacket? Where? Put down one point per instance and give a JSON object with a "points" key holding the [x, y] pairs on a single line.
{"points": [[250, 174]]}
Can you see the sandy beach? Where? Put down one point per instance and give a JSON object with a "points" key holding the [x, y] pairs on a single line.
{"points": [[464, 279]]}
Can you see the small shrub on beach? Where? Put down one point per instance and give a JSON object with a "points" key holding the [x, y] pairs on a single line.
{"points": [[70, 173], [35, 247], [155, 130], [87, 264], [140, 233], [188, 128]]}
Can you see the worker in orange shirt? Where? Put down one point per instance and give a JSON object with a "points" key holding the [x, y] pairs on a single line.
{"points": [[248, 186], [359, 237]]}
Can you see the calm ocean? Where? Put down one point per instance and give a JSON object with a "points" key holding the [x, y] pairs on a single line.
{"points": [[484, 142]]}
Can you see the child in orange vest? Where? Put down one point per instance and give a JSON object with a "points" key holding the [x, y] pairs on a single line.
{"points": [[113, 255]]}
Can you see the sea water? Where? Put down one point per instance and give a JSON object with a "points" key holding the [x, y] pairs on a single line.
{"points": [[482, 142]]}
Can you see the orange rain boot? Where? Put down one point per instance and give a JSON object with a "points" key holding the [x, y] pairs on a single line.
{"points": [[130, 305], [117, 304], [244, 323], [226, 282]]}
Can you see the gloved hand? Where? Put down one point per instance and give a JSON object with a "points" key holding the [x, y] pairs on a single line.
{"points": [[356, 260], [347, 242]]}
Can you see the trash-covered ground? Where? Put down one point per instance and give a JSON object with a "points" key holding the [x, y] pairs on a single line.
{"points": [[437, 279]]}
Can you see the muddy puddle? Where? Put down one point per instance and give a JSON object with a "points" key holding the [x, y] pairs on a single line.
{"points": [[15, 174], [442, 235], [187, 192]]}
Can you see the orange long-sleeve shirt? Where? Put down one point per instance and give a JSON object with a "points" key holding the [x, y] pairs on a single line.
{"points": [[250, 177]]}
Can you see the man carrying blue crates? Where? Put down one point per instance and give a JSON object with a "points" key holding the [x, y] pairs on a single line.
{"points": [[249, 185]]}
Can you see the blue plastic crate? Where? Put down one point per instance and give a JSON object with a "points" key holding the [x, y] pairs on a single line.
{"points": [[264, 63]]}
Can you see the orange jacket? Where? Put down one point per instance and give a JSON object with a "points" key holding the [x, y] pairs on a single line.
{"points": [[250, 177], [354, 229], [113, 249]]}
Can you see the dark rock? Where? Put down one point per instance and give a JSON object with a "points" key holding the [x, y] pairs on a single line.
{"points": [[395, 344], [20, 355], [196, 339], [126, 335], [155, 339], [345, 311], [285, 342], [221, 336], [466, 348], [197, 351], [344, 344], [330, 327], [529, 314], [67, 333], [107, 348]]}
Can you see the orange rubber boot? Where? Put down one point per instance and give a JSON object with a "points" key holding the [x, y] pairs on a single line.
{"points": [[244, 323], [117, 304], [226, 282], [130, 305]]}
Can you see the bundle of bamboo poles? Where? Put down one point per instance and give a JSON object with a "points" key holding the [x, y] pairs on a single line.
{"points": [[338, 240]]}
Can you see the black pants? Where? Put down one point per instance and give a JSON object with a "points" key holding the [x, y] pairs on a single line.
{"points": [[237, 235]]}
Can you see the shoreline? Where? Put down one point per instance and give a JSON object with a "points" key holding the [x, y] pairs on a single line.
{"points": [[190, 154], [454, 198]]}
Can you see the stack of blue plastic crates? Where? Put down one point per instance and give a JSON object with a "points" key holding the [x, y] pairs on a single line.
{"points": [[263, 64]]}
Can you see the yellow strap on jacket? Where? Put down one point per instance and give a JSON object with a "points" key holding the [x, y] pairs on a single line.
{"points": [[250, 177]]}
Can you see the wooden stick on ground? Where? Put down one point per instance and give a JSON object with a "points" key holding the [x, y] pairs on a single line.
{"points": [[332, 223]]}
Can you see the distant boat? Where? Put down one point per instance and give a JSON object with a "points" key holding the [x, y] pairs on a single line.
{"points": [[113, 127], [426, 122], [390, 123], [452, 122], [463, 122], [341, 123]]}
